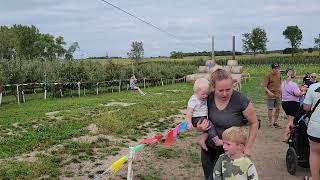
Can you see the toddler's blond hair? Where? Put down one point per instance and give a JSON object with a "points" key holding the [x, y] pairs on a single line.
{"points": [[235, 134], [201, 84]]}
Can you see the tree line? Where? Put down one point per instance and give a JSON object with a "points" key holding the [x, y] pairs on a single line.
{"points": [[255, 42], [26, 42]]}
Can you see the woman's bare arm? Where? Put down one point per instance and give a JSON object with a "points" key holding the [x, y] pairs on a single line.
{"points": [[250, 114]]}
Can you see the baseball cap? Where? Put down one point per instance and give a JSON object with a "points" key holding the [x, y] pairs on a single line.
{"points": [[275, 65]]}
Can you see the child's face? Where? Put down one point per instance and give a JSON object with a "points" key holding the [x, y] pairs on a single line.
{"points": [[202, 94], [231, 148]]}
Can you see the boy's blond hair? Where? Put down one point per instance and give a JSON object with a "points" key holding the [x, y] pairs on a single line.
{"points": [[201, 84], [235, 134]]}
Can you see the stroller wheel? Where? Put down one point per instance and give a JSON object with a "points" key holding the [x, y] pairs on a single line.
{"points": [[291, 160]]}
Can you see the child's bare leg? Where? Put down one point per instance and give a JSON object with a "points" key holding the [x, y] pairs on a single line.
{"points": [[202, 141], [142, 93]]}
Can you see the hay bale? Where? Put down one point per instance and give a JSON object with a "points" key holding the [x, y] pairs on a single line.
{"points": [[236, 69], [232, 63], [227, 68], [193, 77], [237, 77], [203, 69]]}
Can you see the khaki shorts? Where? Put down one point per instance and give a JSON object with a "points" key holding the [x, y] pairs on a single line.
{"points": [[273, 103]]}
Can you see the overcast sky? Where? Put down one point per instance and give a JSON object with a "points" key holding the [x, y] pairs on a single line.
{"points": [[100, 28]]}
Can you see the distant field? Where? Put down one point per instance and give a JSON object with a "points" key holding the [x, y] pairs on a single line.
{"points": [[193, 58]]}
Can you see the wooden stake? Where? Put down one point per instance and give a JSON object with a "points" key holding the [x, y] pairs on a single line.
{"points": [[97, 88], [79, 90], [130, 160], [18, 97], [23, 98]]}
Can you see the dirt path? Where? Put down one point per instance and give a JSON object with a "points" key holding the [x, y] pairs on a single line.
{"points": [[182, 161]]}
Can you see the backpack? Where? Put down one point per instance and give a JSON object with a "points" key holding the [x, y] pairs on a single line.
{"points": [[304, 116]]}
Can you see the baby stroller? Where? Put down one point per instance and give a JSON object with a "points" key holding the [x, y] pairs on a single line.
{"points": [[298, 151]]}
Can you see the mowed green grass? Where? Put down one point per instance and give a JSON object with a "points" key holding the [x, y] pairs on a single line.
{"points": [[25, 128]]}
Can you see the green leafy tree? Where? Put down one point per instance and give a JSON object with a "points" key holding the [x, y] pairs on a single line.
{"points": [[176, 55], [317, 43], [8, 42], [294, 35], [136, 53], [71, 50], [26, 37], [59, 43], [255, 41]]}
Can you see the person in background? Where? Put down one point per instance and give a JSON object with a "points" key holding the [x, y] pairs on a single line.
{"points": [[271, 84], [306, 78], [133, 86], [290, 100], [312, 80], [310, 101], [233, 164]]}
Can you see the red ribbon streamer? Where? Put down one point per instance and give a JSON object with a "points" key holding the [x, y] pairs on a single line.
{"points": [[152, 140], [169, 140]]}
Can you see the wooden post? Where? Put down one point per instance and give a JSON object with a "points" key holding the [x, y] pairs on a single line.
{"points": [[161, 82], [23, 98], [111, 88], [233, 48], [130, 160], [84, 91], [144, 83], [120, 85], [97, 91], [0, 98], [18, 97], [79, 90], [212, 53]]}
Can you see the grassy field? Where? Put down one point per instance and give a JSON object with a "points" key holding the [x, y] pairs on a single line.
{"points": [[38, 138], [128, 61], [26, 128]]}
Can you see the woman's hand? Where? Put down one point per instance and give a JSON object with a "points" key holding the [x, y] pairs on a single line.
{"points": [[203, 125]]}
